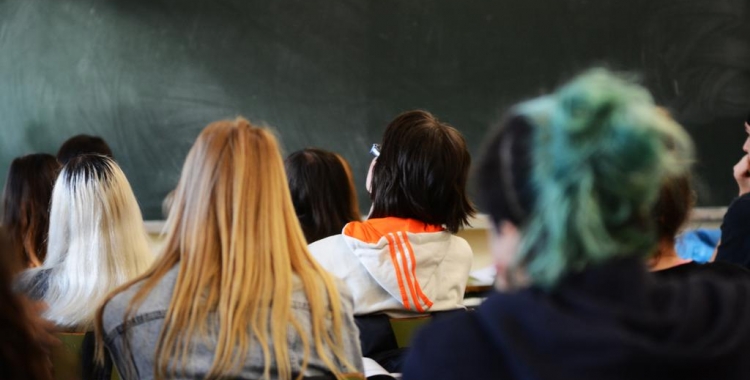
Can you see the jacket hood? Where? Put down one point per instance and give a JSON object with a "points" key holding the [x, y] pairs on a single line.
{"points": [[411, 260]]}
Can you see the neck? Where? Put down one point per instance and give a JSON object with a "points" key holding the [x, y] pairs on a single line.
{"points": [[666, 257]]}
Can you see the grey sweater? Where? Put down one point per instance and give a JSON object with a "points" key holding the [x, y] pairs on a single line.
{"points": [[146, 324]]}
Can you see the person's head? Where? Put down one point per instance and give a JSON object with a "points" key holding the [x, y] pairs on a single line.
{"points": [[97, 240], [672, 209], [322, 191], [232, 228], [83, 144], [578, 172], [421, 172], [26, 203]]}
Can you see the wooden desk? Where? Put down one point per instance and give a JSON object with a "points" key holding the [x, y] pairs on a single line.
{"points": [[473, 289]]}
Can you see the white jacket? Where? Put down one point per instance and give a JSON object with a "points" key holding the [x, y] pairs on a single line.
{"points": [[398, 266]]}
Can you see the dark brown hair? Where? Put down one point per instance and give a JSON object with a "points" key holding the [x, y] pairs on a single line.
{"points": [[26, 202], [322, 191], [672, 209], [503, 175], [21, 355], [83, 144], [421, 172]]}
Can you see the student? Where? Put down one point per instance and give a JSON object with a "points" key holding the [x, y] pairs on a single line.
{"points": [[322, 191], [676, 200], [235, 293], [26, 339], [83, 144], [404, 259], [26, 200], [96, 242], [569, 182], [734, 246]]}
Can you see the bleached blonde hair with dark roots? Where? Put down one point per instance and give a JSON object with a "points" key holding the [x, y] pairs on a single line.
{"points": [[97, 240]]}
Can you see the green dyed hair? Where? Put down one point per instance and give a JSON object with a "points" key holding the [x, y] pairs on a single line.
{"points": [[600, 150]]}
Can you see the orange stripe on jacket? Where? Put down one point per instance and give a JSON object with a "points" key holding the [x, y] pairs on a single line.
{"points": [[405, 268], [372, 230], [424, 298], [394, 260]]}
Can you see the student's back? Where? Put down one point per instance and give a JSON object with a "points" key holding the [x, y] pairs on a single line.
{"points": [[404, 260], [235, 293], [570, 181], [148, 321], [616, 322]]}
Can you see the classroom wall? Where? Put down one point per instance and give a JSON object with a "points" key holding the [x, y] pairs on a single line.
{"points": [[148, 75]]}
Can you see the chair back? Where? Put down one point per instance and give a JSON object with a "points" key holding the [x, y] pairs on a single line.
{"points": [[405, 328], [68, 359], [331, 376], [354, 376]]}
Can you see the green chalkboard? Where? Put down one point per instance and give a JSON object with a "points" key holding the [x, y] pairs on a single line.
{"points": [[148, 75]]}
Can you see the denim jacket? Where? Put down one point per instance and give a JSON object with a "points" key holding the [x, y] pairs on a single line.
{"points": [[146, 324]]}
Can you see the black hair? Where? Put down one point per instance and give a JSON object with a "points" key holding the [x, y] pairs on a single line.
{"points": [[421, 172], [83, 144], [322, 191], [90, 167], [502, 175]]}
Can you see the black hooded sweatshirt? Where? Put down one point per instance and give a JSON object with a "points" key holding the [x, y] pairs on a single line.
{"points": [[735, 233], [616, 321]]}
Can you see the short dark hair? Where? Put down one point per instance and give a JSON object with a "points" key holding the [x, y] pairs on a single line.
{"points": [[672, 208], [26, 203], [322, 191], [747, 119], [421, 172], [83, 144], [504, 186]]}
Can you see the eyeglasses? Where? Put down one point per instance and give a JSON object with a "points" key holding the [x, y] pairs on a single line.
{"points": [[375, 150]]}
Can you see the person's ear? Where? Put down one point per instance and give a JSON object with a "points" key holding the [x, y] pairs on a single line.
{"points": [[505, 240]]}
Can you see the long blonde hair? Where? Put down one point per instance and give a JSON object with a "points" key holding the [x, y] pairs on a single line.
{"points": [[234, 235], [97, 240]]}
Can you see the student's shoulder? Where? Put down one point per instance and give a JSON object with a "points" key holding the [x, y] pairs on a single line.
{"points": [[157, 301], [325, 242], [727, 270], [328, 247], [461, 245], [738, 210]]}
